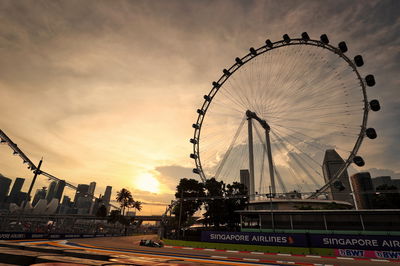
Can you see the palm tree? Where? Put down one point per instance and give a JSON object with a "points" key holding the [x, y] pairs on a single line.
{"points": [[124, 197], [136, 205]]}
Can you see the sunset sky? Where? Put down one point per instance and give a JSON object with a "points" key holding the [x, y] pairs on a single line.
{"points": [[107, 91]]}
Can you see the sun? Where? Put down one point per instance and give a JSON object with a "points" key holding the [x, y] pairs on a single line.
{"points": [[147, 182]]}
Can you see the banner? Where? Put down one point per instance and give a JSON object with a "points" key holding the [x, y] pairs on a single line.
{"points": [[361, 242], [367, 254], [27, 235], [252, 238]]}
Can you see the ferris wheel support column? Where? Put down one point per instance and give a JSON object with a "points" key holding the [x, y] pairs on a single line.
{"points": [[251, 158], [271, 166]]}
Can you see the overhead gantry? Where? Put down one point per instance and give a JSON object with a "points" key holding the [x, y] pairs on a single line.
{"points": [[252, 115]]}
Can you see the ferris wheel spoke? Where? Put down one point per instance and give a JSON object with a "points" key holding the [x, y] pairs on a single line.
{"points": [[303, 168]]}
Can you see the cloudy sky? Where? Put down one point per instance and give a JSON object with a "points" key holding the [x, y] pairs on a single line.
{"points": [[107, 91]]}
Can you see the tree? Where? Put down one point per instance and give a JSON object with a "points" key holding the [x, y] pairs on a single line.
{"points": [[235, 200], [125, 198], [188, 188], [136, 205], [215, 206], [223, 201]]}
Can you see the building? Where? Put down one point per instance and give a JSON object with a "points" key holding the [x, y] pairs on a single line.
{"points": [[245, 178], [16, 189], [385, 180], [340, 189], [363, 190], [4, 188], [59, 189], [81, 191], [92, 187], [66, 205], [107, 197], [50, 191], [40, 194]]}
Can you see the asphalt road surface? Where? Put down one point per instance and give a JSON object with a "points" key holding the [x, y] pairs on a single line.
{"points": [[130, 245]]}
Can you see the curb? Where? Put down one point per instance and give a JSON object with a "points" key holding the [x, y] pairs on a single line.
{"points": [[283, 255]]}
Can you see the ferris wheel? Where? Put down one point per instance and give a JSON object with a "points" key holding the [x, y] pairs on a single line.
{"points": [[276, 111]]}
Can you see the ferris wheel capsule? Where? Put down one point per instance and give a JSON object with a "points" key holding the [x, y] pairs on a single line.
{"points": [[193, 141], [305, 36], [239, 61], [253, 51], [343, 47], [371, 133], [269, 43], [358, 60], [207, 98], [196, 171], [370, 80], [324, 38], [374, 105], [193, 156], [359, 161], [286, 38]]}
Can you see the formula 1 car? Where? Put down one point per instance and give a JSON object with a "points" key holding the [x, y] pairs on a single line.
{"points": [[150, 243]]}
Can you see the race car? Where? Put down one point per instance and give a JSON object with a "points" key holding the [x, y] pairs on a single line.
{"points": [[150, 243]]}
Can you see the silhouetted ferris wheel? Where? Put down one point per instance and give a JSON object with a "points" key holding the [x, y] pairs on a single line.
{"points": [[298, 98]]}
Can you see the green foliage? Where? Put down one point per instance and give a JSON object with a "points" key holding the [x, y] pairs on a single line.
{"points": [[188, 188], [220, 203], [125, 199]]}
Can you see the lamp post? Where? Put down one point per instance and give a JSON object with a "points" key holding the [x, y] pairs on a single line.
{"points": [[180, 215]]}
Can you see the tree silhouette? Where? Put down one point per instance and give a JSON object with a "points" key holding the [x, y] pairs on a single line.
{"points": [[188, 189], [125, 199]]}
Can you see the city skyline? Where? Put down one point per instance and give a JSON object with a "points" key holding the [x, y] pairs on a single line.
{"points": [[108, 92]]}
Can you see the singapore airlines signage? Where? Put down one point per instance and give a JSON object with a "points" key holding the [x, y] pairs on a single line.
{"points": [[254, 238]]}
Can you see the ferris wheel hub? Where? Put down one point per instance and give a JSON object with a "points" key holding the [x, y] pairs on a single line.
{"points": [[263, 123]]}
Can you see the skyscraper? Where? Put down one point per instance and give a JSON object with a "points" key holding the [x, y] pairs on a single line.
{"points": [[81, 191], [4, 188], [92, 187], [50, 191], [107, 197], [40, 194], [16, 189], [59, 189], [363, 190], [340, 189]]}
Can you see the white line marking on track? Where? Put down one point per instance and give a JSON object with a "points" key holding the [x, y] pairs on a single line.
{"points": [[380, 260], [313, 256], [259, 253], [219, 257], [209, 249], [249, 259], [344, 258], [283, 254], [233, 251], [187, 248]]}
